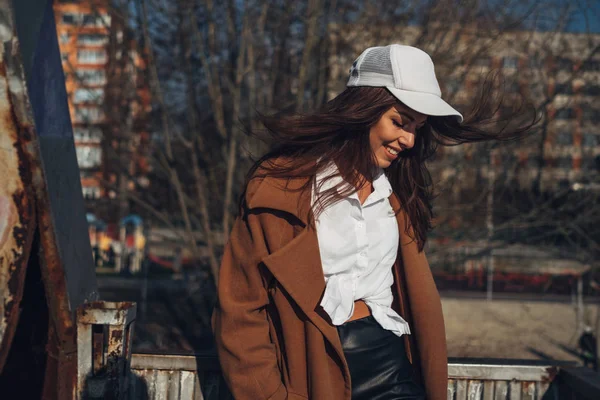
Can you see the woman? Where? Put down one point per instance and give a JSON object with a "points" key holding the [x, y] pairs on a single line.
{"points": [[324, 289]]}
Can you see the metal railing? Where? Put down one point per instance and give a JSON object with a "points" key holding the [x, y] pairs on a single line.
{"points": [[187, 377]]}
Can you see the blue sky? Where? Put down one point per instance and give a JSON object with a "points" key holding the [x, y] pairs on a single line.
{"points": [[587, 18], [583, 15]]}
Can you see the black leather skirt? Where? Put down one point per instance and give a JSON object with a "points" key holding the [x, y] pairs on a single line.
{"points": [[379, 366]]}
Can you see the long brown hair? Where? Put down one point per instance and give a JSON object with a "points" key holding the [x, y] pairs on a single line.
{"points": [[301, 145]]}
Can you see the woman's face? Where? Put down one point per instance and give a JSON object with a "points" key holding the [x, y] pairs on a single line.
{"points": [[394, 132]]}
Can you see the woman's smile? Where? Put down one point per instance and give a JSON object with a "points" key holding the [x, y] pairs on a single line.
{"points": [[394, 132], [392, 152]]}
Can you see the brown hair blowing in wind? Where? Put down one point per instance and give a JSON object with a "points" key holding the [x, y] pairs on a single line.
{"points": [[304, 144]]}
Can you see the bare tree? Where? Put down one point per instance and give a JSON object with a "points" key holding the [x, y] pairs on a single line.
{"points": [[212, 65]]}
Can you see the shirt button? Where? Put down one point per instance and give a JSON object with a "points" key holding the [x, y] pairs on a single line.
{"points": [[360, 225], [363, 253]]}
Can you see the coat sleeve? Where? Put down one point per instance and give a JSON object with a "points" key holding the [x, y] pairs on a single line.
{"points": [[428, 320], [239, 321]]}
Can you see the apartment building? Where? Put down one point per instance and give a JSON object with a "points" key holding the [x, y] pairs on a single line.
{"points": [[83, 33], [84, 30]]}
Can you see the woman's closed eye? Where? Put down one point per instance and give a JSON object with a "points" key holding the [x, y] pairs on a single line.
{"points": [[398, 124]]}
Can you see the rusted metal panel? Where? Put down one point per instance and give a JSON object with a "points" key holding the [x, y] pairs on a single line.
{"points": [[461, 389], [167, 375], [68, 270], [451, 389], [501, 381], [188, 380], [103, 348], [501, 390], [475, 391], [174, 384], [488, 390], [528, 390], [515, 390], [34, 127], [17, 219], [503, 372]]}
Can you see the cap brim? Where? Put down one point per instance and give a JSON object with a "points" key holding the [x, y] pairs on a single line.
{"points": [[425, 103]]}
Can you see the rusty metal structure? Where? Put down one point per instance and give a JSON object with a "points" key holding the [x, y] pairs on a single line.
{"points": [[57, 340], [104, 335], [45, 258]]}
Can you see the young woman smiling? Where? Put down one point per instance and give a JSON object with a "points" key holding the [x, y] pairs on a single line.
{"points": [[325, 291]]}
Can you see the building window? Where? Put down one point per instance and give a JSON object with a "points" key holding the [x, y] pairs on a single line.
{"points": [[534, 161], [96, 19], [564, 138], [105, 20], [591, 65], [90, 192], [564, 113], [590, 140], [89, 19], [510, 62], [89, 114], [591, 90], [87, 135], [564, 63], [591, 114], [69, 19], [92, 76], [65, 38], [92, 39], [536, 63], [88, 156], [91, 56], [564, 88], [564, 162], [85, 95], [590, 163]]}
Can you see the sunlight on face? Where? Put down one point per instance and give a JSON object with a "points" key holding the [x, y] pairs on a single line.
{"points": [[394, 132]]}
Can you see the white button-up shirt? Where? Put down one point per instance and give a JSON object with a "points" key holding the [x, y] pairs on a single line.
{"points": [[358, 244]]}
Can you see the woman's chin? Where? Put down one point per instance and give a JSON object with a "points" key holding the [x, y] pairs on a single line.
{"points": [[383, 163]]}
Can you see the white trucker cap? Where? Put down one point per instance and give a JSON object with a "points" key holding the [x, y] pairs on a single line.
{"points": [[407, 72]]}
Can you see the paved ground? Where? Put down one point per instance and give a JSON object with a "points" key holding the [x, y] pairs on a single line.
{"points": [[512, 329]]}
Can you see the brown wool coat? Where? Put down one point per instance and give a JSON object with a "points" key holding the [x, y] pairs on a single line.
{"points": [[273, 339]]}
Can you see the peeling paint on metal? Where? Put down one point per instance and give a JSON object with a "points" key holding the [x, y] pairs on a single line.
{"points": [[16, 209]]}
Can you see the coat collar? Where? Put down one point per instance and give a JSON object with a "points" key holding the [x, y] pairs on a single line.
{"points": [[283, 195], [287, 196]]}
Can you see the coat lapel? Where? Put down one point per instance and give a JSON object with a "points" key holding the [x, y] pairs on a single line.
{"points": [[400, 292], [297, 265]]}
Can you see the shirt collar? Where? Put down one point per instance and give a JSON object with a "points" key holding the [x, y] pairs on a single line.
{"points": [[329, 177], [382, 185]]}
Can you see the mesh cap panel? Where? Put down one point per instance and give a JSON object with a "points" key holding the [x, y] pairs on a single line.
{"points": [[372, 68], [377, 60]]}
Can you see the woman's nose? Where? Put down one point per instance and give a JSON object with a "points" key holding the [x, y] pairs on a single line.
{"points": [[407, 140]]}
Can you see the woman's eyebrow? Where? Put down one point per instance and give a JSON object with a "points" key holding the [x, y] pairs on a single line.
{"points": [[404, 115], [409, 117]]}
